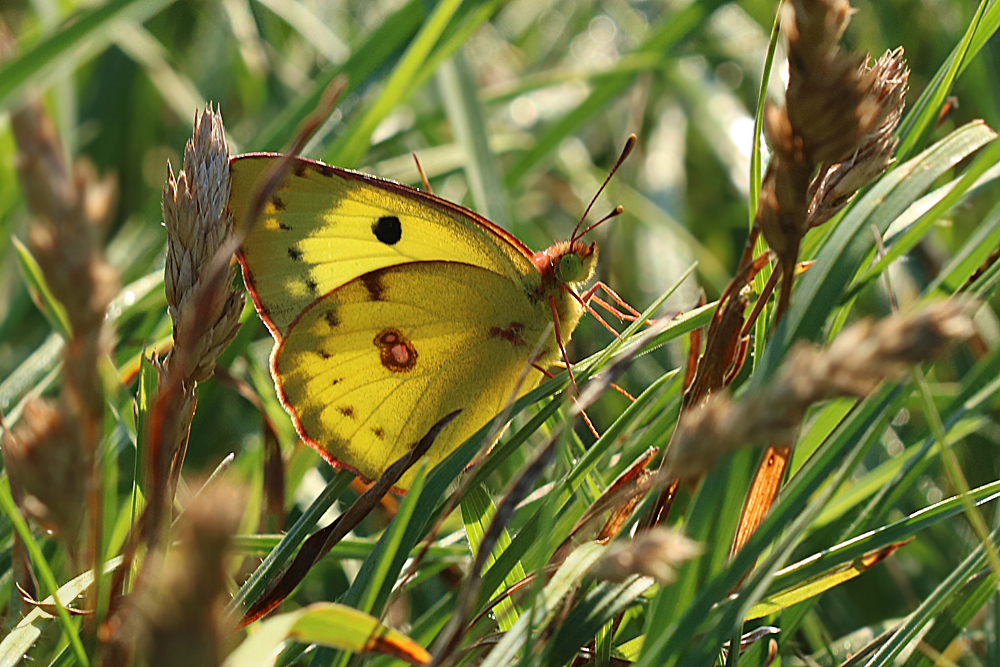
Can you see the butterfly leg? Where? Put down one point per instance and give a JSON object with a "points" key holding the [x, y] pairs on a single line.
{"points": [[559, 340], [590, 309], [590, 424], [631, 316]]}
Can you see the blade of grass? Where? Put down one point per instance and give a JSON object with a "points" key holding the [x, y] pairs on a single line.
{"points": [[478, 511], [982, 170], [53, 311], [400, 84], [90, 31], [924, 112], [41, 567], [270, 567], [932, 606]]}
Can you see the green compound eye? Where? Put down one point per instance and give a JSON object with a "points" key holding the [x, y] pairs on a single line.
{"points": [[570, 268]]}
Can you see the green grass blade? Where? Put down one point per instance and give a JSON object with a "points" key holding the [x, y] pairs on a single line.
{"points": [[42, 570], [89, 30], [924, 112], [398, 87], [53, 311]]}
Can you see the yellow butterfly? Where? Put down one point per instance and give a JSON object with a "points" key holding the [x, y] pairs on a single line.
{"points": [[391, 307]]}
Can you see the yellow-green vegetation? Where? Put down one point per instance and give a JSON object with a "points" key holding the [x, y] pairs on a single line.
{"points": [[786, 446]]}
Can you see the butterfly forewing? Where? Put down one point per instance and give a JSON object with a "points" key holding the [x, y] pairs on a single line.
{"points": [[324, 227], [370, 367]]}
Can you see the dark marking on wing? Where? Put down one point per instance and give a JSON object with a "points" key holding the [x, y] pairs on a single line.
{"points": [[346, 410], [388, 229], [378, 432], [300, 168], [282, 225], [277, 203], [294, 254], [331, 318], [373, 283], [324, 354], [323, 169], [512, 333], [311, 285], [396, 352]]}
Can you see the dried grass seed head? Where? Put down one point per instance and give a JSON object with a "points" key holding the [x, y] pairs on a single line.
{"points": [[855, 363], [880, 113], [182, 610], [70, 207], [868, 353], [652, 553], [204, 308], [45, 459]]}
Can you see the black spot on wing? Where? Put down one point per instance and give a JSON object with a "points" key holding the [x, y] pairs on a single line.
{"points": [[277, 203], [388, 229], [311, 285], [331, 318], [346, 410], [282, 225], [294, 254]]}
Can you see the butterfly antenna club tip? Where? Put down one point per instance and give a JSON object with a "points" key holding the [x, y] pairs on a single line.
{"points": [[629, 145], [618, 210]]}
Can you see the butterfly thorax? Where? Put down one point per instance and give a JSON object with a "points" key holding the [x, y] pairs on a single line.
{"points": [[562, 267]]}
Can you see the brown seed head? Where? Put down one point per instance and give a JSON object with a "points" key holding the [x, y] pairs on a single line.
{"points": [[45, 459], [854, 364], [182, 609], [202, 304], [70, 206], [652, 553]]}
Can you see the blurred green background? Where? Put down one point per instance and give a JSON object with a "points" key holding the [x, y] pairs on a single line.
{"points": [[516, 109]]}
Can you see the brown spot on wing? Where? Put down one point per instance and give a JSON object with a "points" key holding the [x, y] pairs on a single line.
{"points": [[373, 283], [378, 432], [511, 333], [395, 352], [331, 318], [346, 410], [277, 203]]}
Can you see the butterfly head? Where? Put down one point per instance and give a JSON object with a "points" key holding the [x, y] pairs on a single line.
{"points": [[567, 263], [577, 263]]}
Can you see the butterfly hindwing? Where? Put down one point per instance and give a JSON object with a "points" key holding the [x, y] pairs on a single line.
{"points": [[324, 227], [367, 369]]}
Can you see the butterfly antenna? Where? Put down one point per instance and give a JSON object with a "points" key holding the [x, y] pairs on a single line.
{"points": [[614, 214], [423, 174], [629, 145]]}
